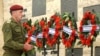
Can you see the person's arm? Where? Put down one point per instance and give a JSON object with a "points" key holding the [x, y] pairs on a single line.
{"points": [[8, 41]]}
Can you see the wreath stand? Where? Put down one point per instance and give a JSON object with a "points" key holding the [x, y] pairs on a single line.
{"points": [[44, 48]]}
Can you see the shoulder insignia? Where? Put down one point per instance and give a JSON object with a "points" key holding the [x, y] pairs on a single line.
{"points": [[8, 21], [7, 30]]}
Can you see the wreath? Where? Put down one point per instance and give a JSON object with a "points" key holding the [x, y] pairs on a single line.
{"points": [[30, 29], [55, 24], [86, 38], [40, 25], [68, 39]]}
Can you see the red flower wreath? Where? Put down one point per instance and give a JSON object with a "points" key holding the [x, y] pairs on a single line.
{"points": [[52, 40], [68, 42], [87, 40], [30, 30], [39, 41]]}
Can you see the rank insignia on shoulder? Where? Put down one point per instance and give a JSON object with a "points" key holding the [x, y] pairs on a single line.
{"points": [[8, 21], [7, 30]]}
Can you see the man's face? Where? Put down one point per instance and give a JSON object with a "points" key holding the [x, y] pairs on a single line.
{"points": [[18, 14]]}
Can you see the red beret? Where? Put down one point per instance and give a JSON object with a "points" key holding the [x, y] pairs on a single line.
{"points": [[16, 7]]}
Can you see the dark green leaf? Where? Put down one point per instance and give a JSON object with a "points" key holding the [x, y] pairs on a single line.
{"points": [[30, 22], [79, 43]]}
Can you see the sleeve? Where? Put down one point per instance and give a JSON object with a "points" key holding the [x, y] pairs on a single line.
{"points": [[8, 38]]}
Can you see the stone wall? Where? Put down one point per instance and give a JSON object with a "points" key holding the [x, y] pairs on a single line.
{"points": [[1, 22]]}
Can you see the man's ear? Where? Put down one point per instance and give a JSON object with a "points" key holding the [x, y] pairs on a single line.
{"points": [[13, 12]]}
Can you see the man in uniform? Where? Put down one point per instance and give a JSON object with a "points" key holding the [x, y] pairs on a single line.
{"points": [[14, 34]]}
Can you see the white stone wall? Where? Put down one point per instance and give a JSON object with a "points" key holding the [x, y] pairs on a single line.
{"points": [[1, 22], [52, 6]]}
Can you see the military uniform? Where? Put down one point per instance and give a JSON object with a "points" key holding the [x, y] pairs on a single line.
{"points": [[14, 38]]}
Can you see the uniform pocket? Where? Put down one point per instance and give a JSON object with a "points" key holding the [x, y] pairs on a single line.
{"points": [[17, 30], [17, 33]]}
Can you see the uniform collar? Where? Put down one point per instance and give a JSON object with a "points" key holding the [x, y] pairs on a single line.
{"points": [[14, 21]]}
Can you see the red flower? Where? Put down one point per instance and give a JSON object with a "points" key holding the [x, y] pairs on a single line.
{"points": [[33, 28], [45, 31], [88, 41], [63, 41], [92, 22], [68, 44], [45, 35], [57, 20], [58, 27], [54, 17], [82, 22], [56, 34], [86, 15], [50, 44], [49, 23], [26, 26], [83, 41], [71, 39], [39, 43], [54, 40], [30, 33], [42, 23], [51, 41], [63, 23], [92, 17], [81, 29], [73, 33], [81, 36]]}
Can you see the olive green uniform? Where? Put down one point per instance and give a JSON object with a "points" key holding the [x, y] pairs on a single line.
{"points": [[14, 38]]}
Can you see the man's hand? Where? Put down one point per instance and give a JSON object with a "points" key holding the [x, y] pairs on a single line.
{"points": [[28, 47]]}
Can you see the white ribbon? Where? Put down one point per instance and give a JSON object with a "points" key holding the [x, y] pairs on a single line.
{"points": [[88, 28], [67, 30], [40, 35], [33, 37], [51, 31]]}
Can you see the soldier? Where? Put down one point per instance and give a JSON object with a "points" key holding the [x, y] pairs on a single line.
{"points": [[14, 33]]}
